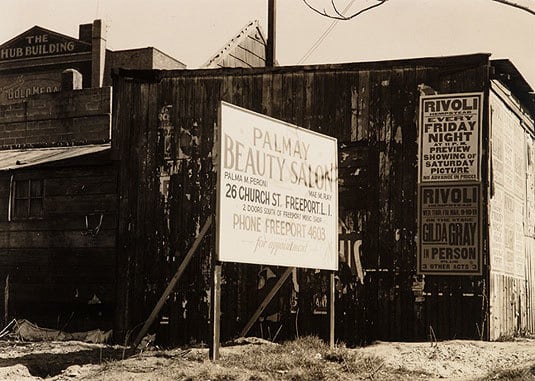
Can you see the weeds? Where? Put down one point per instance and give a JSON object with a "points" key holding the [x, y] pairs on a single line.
{"points": [[518, 374], [307, 358]]}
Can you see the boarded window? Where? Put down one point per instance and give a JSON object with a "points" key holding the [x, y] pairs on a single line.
{"points": [[27, 199]]}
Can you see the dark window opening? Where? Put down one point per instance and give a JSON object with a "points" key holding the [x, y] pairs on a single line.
{"points": [[27, 199]]}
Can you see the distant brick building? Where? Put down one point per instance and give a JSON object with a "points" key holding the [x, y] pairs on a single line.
{"points": [[31, 63]]}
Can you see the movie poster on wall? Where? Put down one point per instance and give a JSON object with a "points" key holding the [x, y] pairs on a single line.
{"points": [[449, 141], [450, 229], [277, 192]]}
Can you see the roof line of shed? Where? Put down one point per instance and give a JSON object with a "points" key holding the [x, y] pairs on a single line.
{"points": [[506, 72], [440, 61], [31, 157]]}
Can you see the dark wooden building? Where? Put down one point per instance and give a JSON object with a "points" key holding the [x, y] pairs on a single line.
{"points": [[58, 199], [95, 220], [163, 134]]}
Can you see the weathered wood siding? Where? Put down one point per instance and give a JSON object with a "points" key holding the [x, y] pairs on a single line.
{"points": [[52, 269], [371, 108], [512, 217], [59, 270]]}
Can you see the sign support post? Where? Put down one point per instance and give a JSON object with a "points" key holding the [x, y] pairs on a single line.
{"points": [[332, 293], [216, 313]]}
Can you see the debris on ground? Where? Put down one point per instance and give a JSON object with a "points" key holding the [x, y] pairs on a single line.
{"points": [[307, 358]]}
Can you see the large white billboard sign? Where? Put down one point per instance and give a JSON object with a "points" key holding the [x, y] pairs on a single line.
{"points": [[277, 192]]}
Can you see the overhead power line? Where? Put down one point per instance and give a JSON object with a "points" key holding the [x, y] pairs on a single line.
{"points": [[329, 29], [340, 16]]}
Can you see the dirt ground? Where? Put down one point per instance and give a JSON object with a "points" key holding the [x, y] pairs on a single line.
{"points": [[451, 360]]}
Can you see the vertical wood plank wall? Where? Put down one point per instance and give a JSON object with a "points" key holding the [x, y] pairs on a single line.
{"points": [[372, 110]]}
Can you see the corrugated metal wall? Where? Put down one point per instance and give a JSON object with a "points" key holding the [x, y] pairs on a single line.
{"points": [[167, 191]]}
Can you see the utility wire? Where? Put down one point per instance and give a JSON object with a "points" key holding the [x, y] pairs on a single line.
{"points": [[342, 17], [329, 29]]}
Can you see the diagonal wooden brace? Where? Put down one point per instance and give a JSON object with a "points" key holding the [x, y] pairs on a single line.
{"points": [[266, 301], [172, 283]]}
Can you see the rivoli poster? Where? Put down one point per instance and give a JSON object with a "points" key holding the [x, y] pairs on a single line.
{"points": [[450, 138], [450, 229]]}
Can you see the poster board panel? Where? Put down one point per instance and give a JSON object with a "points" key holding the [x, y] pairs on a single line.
{"points": [[450, 137], [450, 229]]}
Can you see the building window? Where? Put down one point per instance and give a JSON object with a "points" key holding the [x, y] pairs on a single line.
{"points": [[27, 201]]}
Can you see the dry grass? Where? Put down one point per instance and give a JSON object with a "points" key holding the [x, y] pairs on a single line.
{"points": [[254, 359], [526, 373], [308, 358]]}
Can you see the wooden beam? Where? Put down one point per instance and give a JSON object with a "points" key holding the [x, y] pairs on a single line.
{"points": [[173, 282], [266, 301]]}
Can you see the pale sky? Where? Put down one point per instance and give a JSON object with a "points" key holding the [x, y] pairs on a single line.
{"points": [[193, 30]]}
